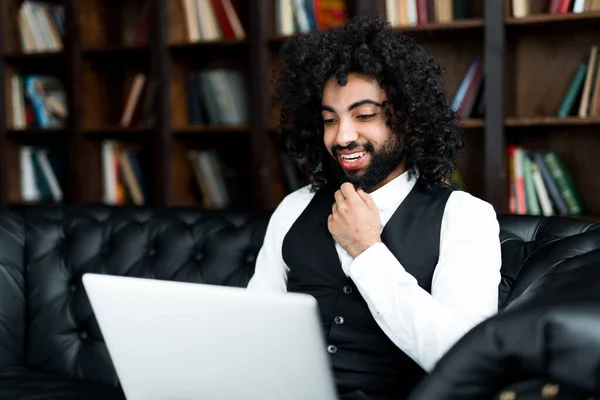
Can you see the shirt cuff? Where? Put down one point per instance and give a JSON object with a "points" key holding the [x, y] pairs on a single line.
{"points": [[376, 273]]}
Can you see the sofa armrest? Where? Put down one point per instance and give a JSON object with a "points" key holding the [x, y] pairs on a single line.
{"points": [[550, 334]]}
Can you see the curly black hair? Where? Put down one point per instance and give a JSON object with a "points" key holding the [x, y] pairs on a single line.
{"points": [[411, 79]]}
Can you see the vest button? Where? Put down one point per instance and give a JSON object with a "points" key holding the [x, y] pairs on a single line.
{"points": [[338, 320], [332, 349], [347, 289]]}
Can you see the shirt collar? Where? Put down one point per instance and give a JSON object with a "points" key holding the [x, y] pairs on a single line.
{"points": [[393, 193]]}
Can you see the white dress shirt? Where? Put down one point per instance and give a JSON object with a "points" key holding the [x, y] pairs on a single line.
{"points": [[465, 282]]}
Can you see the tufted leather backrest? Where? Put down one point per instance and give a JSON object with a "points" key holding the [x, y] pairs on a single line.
{"points": [[533, 244], [64, 243]]}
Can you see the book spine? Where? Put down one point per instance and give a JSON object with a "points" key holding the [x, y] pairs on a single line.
{"points": [[564, 182]]}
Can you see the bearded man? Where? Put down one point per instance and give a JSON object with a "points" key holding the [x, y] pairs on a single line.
{"points": [[401, 264]]}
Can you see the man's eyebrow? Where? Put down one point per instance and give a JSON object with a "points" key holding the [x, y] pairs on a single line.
{"points": [[365, 101], [353, 105]]}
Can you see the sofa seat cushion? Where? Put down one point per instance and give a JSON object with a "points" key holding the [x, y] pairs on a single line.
{"points": [[20, 384]]}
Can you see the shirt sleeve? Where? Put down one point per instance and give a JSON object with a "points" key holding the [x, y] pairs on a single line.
{"points": [[464, 288], [270, 271]]}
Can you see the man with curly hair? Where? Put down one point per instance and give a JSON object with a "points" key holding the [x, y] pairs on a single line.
{"points": [[401, 264]]}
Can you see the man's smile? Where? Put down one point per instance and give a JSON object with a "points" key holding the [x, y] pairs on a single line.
{"points": [[353, 160]]}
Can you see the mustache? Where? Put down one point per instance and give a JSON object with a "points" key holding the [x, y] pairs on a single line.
{"points": [[368, 146]]}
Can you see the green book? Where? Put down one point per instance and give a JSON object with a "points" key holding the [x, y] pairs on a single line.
{"points": [[573, 91], [564, 182], [40, 178], [531, 199], [460, 9]]}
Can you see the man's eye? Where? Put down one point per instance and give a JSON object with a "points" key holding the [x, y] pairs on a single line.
{"points": [[329, 121], [366, 116]]}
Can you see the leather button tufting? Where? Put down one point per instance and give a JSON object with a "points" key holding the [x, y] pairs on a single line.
{"points": [[199, 256], [332, 349], [72, 287], [83, 335], [339, 320], [250, 257], [347, 289], [151, 252]]}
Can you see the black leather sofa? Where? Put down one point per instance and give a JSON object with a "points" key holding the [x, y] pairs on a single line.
{"points": [[548, 330], [545, 341]]}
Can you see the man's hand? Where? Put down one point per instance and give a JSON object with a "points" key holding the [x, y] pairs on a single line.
{"points": [[354, 220]]}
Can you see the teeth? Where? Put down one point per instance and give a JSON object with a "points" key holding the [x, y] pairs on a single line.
{"points": [[353, 157]]}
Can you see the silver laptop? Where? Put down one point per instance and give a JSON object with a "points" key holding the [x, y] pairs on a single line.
{"points": [[180, 341]]}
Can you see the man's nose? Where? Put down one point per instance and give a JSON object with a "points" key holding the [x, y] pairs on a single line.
{"points": [[346, 134]]}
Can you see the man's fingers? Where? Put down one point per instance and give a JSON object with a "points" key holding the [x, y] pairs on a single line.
{"points": [[348, 190], [366, 198], [339, 197]]}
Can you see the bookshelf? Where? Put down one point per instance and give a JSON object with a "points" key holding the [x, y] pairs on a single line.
{"points": [[106, 45], [454, 32], [544, 45]]}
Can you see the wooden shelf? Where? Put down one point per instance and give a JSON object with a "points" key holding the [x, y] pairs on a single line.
{"points": [[38, 56], [119, 51], [42, 203], [460, 25], [550, 121], [211, 129], [117, 131], [52, 62], [471, 123], [29, 132], [208, 44], [555, 19], [278, 39]]}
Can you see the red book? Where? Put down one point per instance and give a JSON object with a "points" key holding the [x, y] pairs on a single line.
{"points": [[564, 6], [553, 6], [223, 20], [422, 11]]}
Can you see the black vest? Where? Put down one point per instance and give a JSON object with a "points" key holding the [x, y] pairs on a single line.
{"points": [[364, 359]]}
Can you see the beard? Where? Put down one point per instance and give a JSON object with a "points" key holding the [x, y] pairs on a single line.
{"points": [[383, 162]]}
